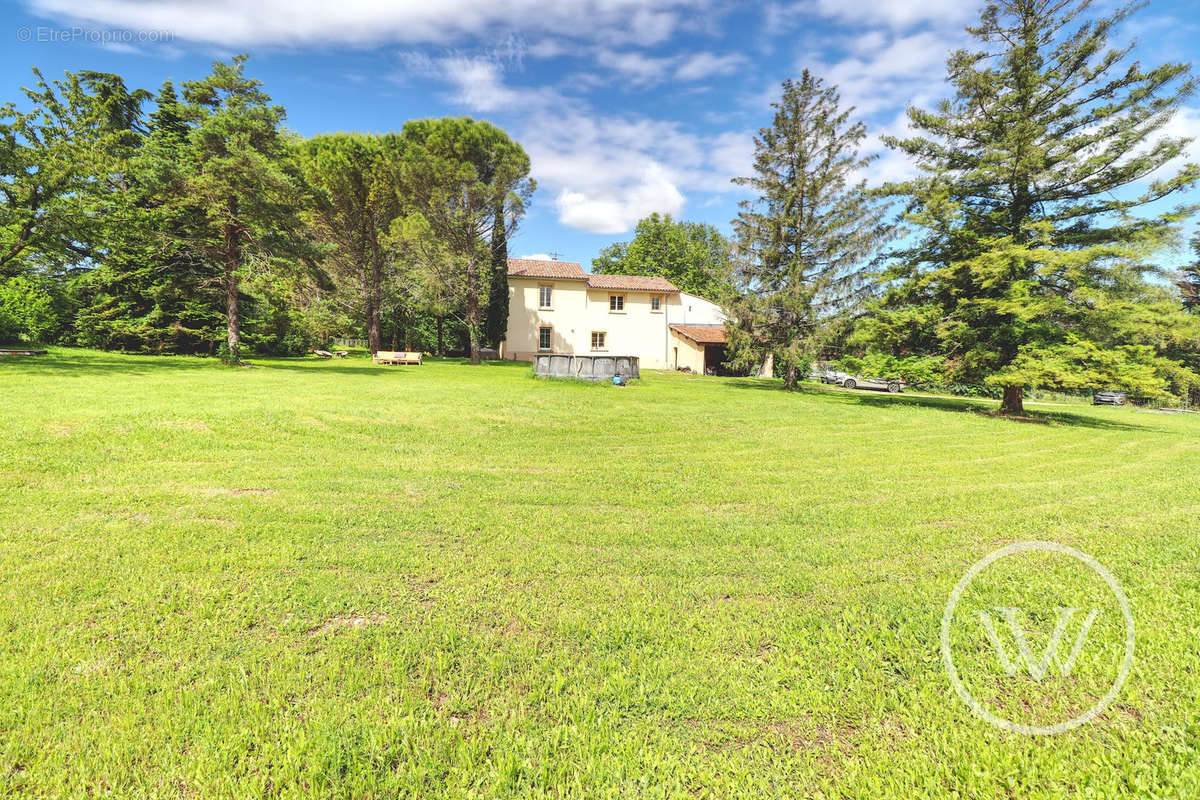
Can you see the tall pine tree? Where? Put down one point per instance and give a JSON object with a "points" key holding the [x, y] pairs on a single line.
{"points": [[237, 174], [153, 293], [803, 243], [1029, 250]]}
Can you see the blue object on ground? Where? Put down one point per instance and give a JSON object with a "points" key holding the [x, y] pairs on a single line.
{"points": [[618, 380]]}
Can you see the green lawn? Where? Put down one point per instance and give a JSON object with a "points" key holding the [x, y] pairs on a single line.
{"points": [[330, 579]]}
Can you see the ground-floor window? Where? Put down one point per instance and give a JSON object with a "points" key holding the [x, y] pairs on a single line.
{"points": [[544, 334], [597, 340]]}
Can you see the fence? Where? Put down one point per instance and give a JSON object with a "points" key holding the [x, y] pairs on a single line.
{"points": [[339, 341]]}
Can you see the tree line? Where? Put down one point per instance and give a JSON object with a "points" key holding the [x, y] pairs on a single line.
{"points": [[1022, 254], [205, 226]]}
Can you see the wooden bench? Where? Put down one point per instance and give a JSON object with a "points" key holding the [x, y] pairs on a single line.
{"points": [[398, 357]]}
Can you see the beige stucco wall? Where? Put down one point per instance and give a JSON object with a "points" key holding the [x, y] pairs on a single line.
{"points": [[579, 310], [686, 353], [524, 316]]}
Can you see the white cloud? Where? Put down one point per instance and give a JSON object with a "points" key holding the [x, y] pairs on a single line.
{"points": [[1186, 125], [478, 81], [641, 69], [611, 170], [894, 14], [616, 212], [732, 156], [538, 257], [635, 66], [884, 71], [478, 84], [236, 23], [604, 171], [706, 65], [548, 48], [891, 165]]}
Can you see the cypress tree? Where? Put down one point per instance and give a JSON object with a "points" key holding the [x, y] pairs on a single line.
{"points": [[497, 310]]}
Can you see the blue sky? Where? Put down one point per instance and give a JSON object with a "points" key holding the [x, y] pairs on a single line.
{"points": [[626, 106]]}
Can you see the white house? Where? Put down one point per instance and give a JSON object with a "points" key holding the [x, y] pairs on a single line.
{"points": [[556, 307]]}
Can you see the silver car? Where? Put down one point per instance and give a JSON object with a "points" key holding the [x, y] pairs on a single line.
{"points": [[893, 385]]}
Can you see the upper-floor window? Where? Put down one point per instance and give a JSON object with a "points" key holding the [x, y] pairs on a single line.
{"points": [[655, 303], [616, 302], [597, 340], [544, 296], [544, 334]]}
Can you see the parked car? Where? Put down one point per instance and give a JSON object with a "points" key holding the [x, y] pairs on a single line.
{"points": [[1110, 397], [849, 381]]}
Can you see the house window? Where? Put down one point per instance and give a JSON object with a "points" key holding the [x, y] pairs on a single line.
{"points": [[544, 296], [597, 340], [616, 302], [656, 303], [544, 337]]}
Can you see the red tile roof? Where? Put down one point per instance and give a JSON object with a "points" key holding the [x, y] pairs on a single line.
{"points": [[702, 334], [633, 283], [531, 268]]}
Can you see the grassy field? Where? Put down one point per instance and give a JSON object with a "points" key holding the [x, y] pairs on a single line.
{"points": [[329, 579]]}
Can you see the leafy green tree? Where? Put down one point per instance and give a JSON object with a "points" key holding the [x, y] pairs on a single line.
{"points": [[354, 203], [236, 173], [804, 242], [694, 256], [461, 181], [31, 309], [152, 292], [61, 169], [1029, 256]]}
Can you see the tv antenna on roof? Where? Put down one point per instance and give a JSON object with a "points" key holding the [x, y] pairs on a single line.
{"points": [[554, 255]]}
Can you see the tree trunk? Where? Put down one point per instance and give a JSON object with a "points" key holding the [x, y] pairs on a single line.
{"points": [[473, 325], [441, 325], [790, 377], [373, 335], [1014, 400], [373, 288], [233, 324], [371, 312], [474, 317]]}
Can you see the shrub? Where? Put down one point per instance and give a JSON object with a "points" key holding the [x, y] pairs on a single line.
{"points": [[30, 310]]}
